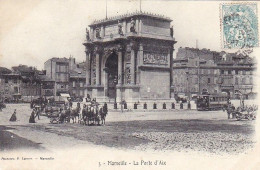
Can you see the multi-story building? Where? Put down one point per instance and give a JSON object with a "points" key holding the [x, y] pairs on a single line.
{"points": [[30, 86], [47, 86], [196, 71], [77, 83], [57, 69], [10, 86], [69, 76], [25, 83]]}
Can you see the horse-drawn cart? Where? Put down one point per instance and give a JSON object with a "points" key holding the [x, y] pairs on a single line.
{"points": [[249, 115], [54, 118]]}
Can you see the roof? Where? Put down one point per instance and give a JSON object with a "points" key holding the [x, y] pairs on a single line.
{"points": [[56, 59], [12, 74], [130, 15], [77, 73], [45, 78]]}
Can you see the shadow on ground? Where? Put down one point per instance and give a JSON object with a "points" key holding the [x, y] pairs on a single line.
{"points": [[10, 141]]}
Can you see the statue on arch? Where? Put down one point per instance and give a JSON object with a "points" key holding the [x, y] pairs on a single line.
{"points": [[120, 29], [98, 33], [171, 31], [132, 25], [87, 34]]}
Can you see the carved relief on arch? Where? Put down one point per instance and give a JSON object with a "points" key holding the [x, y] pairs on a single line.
{"points": [[133, 45], [98, 49]]}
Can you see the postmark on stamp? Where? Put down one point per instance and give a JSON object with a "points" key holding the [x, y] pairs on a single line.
{"points": [[239, 26]]}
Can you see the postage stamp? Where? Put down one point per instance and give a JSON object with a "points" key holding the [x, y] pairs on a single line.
{"points": [[239, 25]]}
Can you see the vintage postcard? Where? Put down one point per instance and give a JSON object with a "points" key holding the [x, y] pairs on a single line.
{"points": [[129, 84]]}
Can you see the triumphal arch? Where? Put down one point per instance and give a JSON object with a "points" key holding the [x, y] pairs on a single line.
{"points": [[129, 58]]}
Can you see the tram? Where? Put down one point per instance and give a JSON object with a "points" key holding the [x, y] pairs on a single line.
{"points": [[212, 101]]}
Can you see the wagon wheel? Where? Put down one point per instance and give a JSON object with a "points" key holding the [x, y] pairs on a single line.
{"points": [[238, 117]]}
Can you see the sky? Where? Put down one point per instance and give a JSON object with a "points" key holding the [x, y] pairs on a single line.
{"points": [[32, 31]]}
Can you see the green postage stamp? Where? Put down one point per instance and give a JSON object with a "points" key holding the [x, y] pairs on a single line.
{"points": [[239, 25]]}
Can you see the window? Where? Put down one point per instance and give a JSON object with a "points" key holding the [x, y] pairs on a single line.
{"points": [[236, 80], [222, 71], [229, 71], [236, 71], [81, 92], [243, 80], [208, 80], [15, 89], [196, 80], [81, 84], [6, 80], [15, 81]]}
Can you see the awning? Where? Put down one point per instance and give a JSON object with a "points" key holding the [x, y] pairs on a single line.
{"points": [[64, 95]]}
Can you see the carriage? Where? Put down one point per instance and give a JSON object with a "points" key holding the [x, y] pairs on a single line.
{"points": [[92, 114], [247, 114]]}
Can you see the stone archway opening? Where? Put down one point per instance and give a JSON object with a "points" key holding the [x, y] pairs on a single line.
{"points": [[111, 68]]}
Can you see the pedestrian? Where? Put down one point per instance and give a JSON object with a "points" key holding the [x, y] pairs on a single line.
{"points": [[233, 111], [78, 105], [13, 117], [181, 105], [32, 117], [229, 111], [105, 109], [38, 113], [88, 99], [31, 104]]}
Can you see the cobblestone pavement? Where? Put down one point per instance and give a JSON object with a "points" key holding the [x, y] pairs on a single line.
{"points": [[178, 130]]}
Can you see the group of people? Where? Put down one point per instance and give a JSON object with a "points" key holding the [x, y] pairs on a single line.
{"points": [[35, 113]]}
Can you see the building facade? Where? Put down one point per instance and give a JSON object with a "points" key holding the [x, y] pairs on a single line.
{"points": [[10, 87], [57, 69], [129, 58], [196, 71], [77, 84]]}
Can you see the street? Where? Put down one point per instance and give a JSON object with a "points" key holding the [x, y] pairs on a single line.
{"points": [[178, 130]]}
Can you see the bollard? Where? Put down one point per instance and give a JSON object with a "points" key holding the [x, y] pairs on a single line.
{"points": [[173, 105], [189, 105], [145, 106], [181, 106], [154, 106], [135, 106], [164, 105], [115, 105], [125, 105]]}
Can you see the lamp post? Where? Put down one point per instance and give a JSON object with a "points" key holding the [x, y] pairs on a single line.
{"points": [[115, 81], [188, 88], [79, 73]]}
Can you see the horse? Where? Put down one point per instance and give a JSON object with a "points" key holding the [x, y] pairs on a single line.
{"points": [[67, 115], [74, 113], [90, 115], [84, 115]]}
